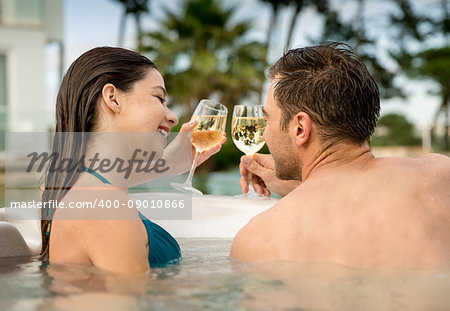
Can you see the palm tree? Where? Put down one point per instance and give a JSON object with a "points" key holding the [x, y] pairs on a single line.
{"points": [[275, 5], [434, 64], [430, 63], [321, 6], [298, 7], [203, 54], [135, 8]]}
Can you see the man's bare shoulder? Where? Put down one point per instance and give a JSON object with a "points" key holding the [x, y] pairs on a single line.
{"points": [[436, 156], [437, 161], [436, 168], [432, 167], [254, 242]]}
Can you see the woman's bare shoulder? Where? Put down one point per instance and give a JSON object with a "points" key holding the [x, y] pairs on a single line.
{"points": [[104, 202], [105, 229]]}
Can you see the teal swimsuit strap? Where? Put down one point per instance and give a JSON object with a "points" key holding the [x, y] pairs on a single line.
{"points": [[87, 170]]}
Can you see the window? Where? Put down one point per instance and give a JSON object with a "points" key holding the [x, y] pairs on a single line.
{"points": [[2, 80], [3, 99], [29, 10], [1, 11]]}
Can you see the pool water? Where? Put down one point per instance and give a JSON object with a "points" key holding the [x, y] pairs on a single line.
{"points": [[206, 279]]}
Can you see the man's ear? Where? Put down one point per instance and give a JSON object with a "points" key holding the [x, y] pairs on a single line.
{"points": [[302, 125], [109, 96]]}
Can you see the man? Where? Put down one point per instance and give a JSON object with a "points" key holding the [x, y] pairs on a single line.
{"points": [[350, 208]]}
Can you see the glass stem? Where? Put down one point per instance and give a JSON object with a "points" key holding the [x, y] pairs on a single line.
{"points": [[250, 184], [194, 165], [249, 177]]}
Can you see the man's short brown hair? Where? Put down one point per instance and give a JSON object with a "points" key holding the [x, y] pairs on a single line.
{"points": [[333, 86]]}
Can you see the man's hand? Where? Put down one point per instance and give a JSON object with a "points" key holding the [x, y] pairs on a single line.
{"points": [[262, 167]]}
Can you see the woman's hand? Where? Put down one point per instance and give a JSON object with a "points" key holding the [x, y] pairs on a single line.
{"points": [[262, 167], [205, 155], [182, 144]]}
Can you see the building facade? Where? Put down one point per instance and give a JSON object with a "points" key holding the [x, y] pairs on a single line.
{"points": [[26, 29]]}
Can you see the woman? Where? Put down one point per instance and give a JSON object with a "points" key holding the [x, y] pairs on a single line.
{"points": [[105, 91]]}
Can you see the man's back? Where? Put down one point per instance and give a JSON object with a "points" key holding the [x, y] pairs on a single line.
{"points": [[372, 212]]}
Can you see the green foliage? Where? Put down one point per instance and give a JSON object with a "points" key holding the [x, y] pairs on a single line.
{"points": [[408, 21], [229, 156], [203, 54], [394, 130], [432, 61], [434, 64], [430, 64]]}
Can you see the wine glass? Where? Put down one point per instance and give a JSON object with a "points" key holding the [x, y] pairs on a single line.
{"points": [[247, 129], [211, 120]]}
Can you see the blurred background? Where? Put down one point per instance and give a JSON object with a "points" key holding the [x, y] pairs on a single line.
{"points": [[222, 50]]}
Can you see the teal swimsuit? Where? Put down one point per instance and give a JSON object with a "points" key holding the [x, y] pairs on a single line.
{"points": [[163, 248]]}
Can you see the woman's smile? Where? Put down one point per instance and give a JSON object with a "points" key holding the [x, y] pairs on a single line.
{"points": [[164, 131]]}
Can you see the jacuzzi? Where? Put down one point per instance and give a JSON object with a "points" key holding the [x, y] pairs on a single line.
{"points": [[207, 279]]}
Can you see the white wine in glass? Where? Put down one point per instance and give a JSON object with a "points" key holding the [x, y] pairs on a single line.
{"points": [[247, 129], [208, 131], [211, 120]]}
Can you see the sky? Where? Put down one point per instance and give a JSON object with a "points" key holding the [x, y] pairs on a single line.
{"points": [[92, 23]]}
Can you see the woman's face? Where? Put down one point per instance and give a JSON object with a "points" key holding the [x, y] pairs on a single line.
{"points": [[143, 108]]}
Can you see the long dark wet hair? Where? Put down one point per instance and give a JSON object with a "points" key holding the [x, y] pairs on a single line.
{"points": [[77, 112]]}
